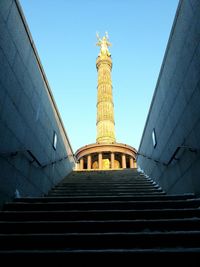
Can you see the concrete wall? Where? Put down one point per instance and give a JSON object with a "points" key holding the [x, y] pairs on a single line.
{"points": [[28, 114], [175, 108]]}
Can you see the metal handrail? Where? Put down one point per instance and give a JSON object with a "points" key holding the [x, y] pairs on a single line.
{"points": [[173, 157], [34, 158], [55, 161]]}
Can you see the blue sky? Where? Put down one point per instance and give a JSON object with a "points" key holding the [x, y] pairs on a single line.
{"points": [[64, 32]]}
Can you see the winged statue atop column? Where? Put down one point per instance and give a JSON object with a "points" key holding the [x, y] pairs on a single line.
{"points": [[103, 43]]}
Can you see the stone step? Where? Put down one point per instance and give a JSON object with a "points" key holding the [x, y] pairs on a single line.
{"points": [[105, 198], [112, 240], [100, 187], [106, 181], [130, 180], [103, 185], [72, 215], [96, 226], [124, 173], [104, 193], [88, 205], [90, 257], [108, 190]]}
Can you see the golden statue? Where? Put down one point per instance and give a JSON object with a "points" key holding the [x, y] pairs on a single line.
{"points": [[103, 43]]}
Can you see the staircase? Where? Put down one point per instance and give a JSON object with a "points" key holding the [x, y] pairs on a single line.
{"points": [[115, 214]]}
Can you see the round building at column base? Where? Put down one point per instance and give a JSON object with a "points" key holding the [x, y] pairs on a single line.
{"points": [[106, 157]]}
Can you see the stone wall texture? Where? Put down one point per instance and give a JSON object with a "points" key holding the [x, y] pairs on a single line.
{"points": [[28, 114], [175, 109]]}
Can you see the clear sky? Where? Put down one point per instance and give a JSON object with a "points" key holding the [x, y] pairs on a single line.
{"points": [[64, 32]]}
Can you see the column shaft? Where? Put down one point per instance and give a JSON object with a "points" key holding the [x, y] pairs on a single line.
{"points": [[81, 164], [100, 160], [131, 163], [123, 161], [89, 162], [112, 160]]}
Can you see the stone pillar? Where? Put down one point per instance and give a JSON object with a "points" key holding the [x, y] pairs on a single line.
{"points": [[123, 161], [77, 166], [81, 164], [89, 162], [131, 163], [112, 160], [135, 164], [100, 160]]}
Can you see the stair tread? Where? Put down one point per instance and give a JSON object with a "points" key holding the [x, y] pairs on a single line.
{"points": [[58, 198], [102, 210], [54, 256], [99, 214], [195, 200], [103, 205], [188, 233], [100, 251], [66, 226], [103, 221]]}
